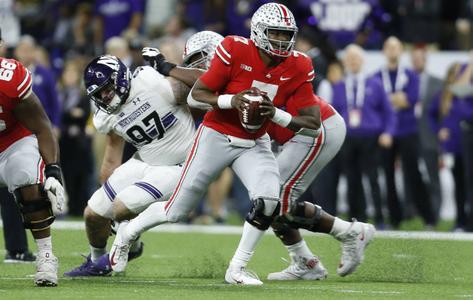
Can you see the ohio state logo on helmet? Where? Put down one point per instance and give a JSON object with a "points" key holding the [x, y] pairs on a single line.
{"points": [[273, 17]]}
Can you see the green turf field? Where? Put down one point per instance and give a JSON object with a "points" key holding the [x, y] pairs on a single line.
{"points": [[192, 266]]}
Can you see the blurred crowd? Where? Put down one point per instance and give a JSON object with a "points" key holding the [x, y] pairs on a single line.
{"points": [[56, 38]]}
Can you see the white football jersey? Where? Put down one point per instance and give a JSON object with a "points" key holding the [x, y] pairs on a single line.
{"points": [[151, 120]]}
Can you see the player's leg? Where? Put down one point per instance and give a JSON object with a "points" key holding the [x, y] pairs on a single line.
{"points": [[98, 215], [210, 154], [137, 199], [312, 217], [299, 162], [257, 168], [22, 171]]}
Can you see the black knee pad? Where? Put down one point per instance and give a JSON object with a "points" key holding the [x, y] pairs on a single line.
{"points": [[281, 226], [297, 219], [38, 205], [257, 218]]}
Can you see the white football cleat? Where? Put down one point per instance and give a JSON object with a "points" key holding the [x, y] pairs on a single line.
{"points": [[46, 269], [120, 248], [354, 242], [301, 268], [240, 275]]}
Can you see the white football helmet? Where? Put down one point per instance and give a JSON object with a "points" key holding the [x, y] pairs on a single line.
{"points": [[273, 16], [203, 43]]}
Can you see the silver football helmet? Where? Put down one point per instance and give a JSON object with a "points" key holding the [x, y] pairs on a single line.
{"points": [[200, 49], [277, 17]]}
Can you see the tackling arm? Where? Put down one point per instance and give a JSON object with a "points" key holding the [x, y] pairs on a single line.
{"points": [[113, 155], [186, 75], [31, 114]]}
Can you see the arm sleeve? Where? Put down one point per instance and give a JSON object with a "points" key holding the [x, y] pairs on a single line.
{"points": [[218, 75]]}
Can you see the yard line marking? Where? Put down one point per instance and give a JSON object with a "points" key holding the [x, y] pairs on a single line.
{"points": [[228, 229]]}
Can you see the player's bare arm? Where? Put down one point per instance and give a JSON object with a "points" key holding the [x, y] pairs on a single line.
{"points": [[180, 90], [309, 117], [186, 75], [31, 114], [113, 155], [202, 93]]}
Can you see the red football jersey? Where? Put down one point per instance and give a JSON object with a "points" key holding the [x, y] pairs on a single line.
{"points": [[282, 135], [237, 66], [15, 84]]}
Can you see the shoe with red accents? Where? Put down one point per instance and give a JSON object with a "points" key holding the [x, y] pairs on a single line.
{"points": [[120, 249], [354, 241], [240, 275], [301, 268]]}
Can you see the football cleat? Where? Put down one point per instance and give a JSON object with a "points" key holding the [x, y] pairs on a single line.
{"points": [[100, 268], [354, 241], [120, 250], [46, 270], [241, 276], [301, 268], [136, 250], [19, 258]]}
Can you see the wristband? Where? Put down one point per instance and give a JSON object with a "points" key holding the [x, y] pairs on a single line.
{"points": [[53, 170], [281, 117], [225, 101]]}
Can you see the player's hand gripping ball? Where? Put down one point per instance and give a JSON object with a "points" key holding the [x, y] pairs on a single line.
{"points": [[250, 114]]}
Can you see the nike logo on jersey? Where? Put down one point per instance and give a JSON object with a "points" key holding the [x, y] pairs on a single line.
{"points": [[284, 78]]}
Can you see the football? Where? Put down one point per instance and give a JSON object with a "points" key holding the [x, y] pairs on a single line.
{"points": [[251, 118]]}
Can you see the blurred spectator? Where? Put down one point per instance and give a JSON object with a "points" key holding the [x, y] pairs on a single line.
{"points": [[444, 117], [419, 20], [349, 21], [9, 23], [429, 86], [117, 17], [201, 14], [402, 86], [465, 82], [315, 44], [364, 105], [44, 82], [118, 46], [136, 45], [75, 143], [82, 29]]}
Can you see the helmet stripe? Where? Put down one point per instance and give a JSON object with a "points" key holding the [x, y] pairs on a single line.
{"points": [[284, 14]]}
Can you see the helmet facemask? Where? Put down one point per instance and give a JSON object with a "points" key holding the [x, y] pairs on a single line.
{"points": [[200, 63], [105, 96], [276, 47]]}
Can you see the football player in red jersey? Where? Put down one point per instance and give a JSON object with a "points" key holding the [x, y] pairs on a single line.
{"points": [[300, 161], [266, 61], [303, 156], [29, 162]]}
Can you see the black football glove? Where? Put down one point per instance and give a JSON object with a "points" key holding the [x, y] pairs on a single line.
{"points": [[157, 60]]}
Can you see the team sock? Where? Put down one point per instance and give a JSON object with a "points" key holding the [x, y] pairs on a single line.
{"points": [[249, 239]]}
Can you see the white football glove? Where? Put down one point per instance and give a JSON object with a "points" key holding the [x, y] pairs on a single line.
{"points": [[157, 60], [53, 186], [55, 192], [149, 53]]}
